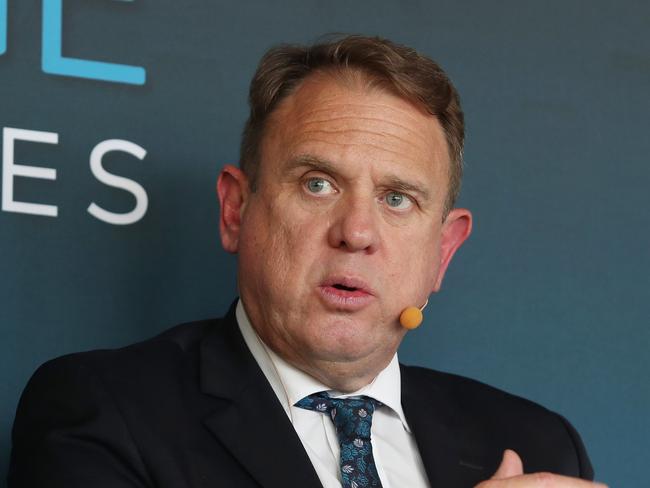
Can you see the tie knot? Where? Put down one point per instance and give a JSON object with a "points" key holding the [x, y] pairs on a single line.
{"points": [[352, 417]]}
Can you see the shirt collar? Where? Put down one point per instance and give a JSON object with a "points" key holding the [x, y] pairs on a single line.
{"points": [[292, 385]]}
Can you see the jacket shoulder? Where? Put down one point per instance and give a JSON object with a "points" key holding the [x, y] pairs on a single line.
{"points": [[178, 341], [490, 416], [467, 392], [88, 413], [144, 363]]}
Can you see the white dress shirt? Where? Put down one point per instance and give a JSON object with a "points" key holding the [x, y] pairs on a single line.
{"points": [[394, 449]]}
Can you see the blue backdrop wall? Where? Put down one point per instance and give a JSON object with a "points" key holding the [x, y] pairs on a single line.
{"points": [[550, 299]]}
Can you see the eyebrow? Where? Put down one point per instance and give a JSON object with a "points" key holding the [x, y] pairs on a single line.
{"points": [[400, 185], [313, 162], [391, 181]]}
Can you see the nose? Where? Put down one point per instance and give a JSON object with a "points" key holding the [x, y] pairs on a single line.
{"points": [[355, 226]]}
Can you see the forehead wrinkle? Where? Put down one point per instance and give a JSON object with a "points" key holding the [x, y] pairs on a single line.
{"points": [[403, 135], [411, 111], [380, 143], [304, 104], [420, 134], [356, 144], [361, 131]]}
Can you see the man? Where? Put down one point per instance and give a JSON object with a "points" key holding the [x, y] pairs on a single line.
{"points": [[342, 216]]}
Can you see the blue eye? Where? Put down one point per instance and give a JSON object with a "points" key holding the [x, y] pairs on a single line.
{"points": [[319, 185], [398, 200]]}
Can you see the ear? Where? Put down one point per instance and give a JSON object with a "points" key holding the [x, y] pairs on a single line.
{"points": [[232, 190], [455, 230]]}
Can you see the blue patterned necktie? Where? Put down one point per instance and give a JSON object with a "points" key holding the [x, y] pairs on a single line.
{"points": [[352, 418]]}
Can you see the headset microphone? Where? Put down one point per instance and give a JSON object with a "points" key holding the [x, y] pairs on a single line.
{"points": [[411, 317]]}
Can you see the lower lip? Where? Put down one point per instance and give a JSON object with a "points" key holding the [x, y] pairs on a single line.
{"points": [[348, 300]]}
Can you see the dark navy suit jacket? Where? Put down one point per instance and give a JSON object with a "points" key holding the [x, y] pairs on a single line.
{"points": [[191, 408]]}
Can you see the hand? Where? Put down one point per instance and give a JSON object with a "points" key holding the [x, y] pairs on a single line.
{"points": [[511, 475]]}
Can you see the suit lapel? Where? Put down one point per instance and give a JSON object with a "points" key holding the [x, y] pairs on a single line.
{"points": [[452, 456], [249, 420]]}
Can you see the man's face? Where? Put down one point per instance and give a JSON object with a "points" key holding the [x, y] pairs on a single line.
{"points": [[346, 227]]}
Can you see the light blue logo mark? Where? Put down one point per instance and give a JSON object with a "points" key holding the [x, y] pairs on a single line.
{"points": [[3, 26], [54, 63]]}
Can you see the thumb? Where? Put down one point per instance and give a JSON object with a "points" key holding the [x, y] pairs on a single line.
{"points": [[511, 466]]}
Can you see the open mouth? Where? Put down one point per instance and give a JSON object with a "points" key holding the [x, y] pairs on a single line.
{"points": [[347, 285], [339, 286], [346, 292]]}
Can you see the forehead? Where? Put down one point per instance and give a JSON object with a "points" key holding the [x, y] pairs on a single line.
{"points": [[345, 120]]}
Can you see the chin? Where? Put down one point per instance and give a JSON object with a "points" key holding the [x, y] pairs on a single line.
{"points": [[344, 353], [345, 337], [344, 347]]}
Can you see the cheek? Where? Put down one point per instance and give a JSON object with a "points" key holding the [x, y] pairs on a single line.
{"points": [[278, 244], [415, 260]]}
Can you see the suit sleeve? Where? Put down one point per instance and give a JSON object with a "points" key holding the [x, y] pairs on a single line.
{"points": [[69, 433], [586, 471]]}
